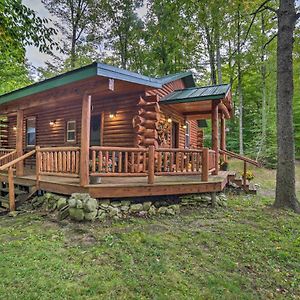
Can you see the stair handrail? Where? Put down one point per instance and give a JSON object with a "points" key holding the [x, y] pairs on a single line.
{"points": [[240, 157], [11, 185], [244, 159]]}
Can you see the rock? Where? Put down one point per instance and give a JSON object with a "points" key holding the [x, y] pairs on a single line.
{"points": [[76, 214], [90, 205], [125, 203], [170, 211], [105, 201], [136, 208], [61, 202], [162, 210], [102, 216], [147, 205], [113, 211], [142, 213], [13, 214], [116, 204], [124, 208], [90, 216], [152, 210], [104, 205], [175, 207], [72, 202], [206, 198], [79, 204], [38, 201]]}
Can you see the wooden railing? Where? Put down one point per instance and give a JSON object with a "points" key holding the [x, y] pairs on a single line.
{"points": [[58, 161], [118, 161], [7, 156], [5, 151], [11, 186], [211, 160], [178, 161], [244, 159]]}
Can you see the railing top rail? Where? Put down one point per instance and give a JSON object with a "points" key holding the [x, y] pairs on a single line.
{"points": [[6, 150], [240, 157], [49, 149], [17, 160], [179, 150], [124, 149]]}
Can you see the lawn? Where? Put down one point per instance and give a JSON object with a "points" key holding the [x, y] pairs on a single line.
{"points": [[244, 251]]}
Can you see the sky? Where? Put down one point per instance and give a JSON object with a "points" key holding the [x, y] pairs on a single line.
{"points": [[33, 55]]}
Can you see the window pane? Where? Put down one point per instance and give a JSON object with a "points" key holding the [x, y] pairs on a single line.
{"points": [[31, 131], [71, 125], [71, 136]]}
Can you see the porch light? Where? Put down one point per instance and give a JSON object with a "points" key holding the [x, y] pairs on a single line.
{"points": [[184, 126], [15, 128], [169, 120], [112, 115], [52, 123]]}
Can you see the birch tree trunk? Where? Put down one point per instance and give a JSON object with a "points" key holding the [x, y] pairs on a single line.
{"points": [[285, 178], [240, 91]]}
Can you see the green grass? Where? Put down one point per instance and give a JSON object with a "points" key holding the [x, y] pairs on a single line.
{"points": [[246, 251]]}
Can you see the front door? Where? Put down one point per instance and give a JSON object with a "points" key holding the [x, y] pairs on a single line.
{"points": [[175, 135], [95, 130]]}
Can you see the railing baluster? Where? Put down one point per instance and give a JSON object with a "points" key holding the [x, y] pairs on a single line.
{"points": [[120, 162]]}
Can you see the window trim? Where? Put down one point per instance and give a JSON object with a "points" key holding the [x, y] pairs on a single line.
{"points": [[73, 130], [27, 119]]}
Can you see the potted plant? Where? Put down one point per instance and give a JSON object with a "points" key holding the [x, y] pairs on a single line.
{"points": [[224, 165]]}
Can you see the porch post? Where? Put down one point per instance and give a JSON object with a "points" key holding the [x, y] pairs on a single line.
{"points": [[223, 136], [19, 142], [85, 139], [215, 133]]}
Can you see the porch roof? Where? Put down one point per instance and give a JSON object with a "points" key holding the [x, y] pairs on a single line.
{"points": [[95, 69], [214, 92], [196, 102]]}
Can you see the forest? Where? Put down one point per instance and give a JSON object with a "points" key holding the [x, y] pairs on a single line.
{"points": [[220, 41]]}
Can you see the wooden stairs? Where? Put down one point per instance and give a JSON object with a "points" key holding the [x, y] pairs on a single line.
{"points": [[23, 192], [239, 182]]}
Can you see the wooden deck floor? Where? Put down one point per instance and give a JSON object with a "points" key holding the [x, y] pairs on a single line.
{"points": [[117, 187]]}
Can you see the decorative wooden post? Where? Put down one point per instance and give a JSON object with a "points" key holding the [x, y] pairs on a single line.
{"points": [[19, 142], [85, 139], [38, 166], [151, 162], [215, 133], [223, 136], [205, 167]]}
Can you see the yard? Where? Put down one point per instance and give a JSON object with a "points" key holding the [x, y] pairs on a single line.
{"points": [[246, 251]]}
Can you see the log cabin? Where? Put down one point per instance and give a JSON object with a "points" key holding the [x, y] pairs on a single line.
{"points": [[114, 133]]}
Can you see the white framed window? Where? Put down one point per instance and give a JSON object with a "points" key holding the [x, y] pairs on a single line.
{"points": [[31, 131], [71, 131], [187, 135]]}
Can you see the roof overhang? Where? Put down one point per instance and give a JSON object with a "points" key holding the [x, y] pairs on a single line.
{"points": [[92, 70]]}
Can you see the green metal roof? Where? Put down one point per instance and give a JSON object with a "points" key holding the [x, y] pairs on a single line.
{"points": [[213, 92], [95, 69]]}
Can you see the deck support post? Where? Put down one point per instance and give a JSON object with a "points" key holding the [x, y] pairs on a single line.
{"points": [[19, 142], [11, 189], [151, 162], [205, 163], [215, 133], [223, 137], [85, 139]]}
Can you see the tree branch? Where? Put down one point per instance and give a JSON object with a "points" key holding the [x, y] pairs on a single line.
{"points": [[270, 40]]}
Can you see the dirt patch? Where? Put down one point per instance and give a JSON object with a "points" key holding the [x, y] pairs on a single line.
{"points": [[81, 240]]}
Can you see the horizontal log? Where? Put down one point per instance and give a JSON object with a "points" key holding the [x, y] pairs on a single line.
{"points": [[58, 149], [123, 149], [187, 173], [118, 174]]}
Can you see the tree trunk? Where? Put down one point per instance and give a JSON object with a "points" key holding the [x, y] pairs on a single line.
{"points": [[240, 91], [211, 54], [218, 55], [285, 178], [264, 92]]}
